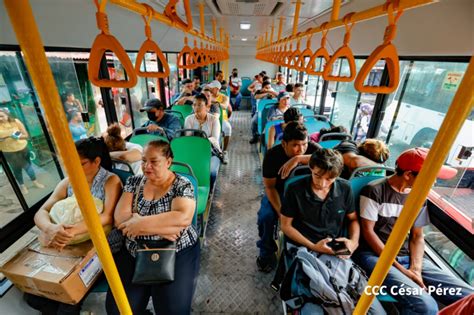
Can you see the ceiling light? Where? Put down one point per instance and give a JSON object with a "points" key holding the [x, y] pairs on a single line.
{"points": [[245, 25], [244, 39]]}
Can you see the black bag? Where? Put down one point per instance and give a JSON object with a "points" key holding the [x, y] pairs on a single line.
{"points": [[155, 259], [155, 262]]}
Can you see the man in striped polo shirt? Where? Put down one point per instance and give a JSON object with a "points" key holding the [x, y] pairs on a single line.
{"points": [[412, 277]]}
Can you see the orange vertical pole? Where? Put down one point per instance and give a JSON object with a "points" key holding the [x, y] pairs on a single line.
{"points": [[336, 6], [297, 16], [280, 27], [201, 16]]}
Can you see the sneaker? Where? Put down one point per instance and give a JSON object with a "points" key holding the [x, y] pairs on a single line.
{"points": [[38, 184], [225, 160], [266, 265], [23, 189], [253, 140]]}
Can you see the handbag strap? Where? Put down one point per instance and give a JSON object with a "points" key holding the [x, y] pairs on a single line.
{"points": [[137, 192]]}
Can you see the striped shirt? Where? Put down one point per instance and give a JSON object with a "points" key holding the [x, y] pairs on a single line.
{"points": [[380, 203]]}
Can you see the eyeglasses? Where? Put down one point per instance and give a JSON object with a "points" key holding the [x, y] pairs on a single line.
{"points": [[415, 174]]}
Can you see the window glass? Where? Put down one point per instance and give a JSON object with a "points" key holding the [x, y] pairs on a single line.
{"points": [[456, 258], [313, 91], [10, 207], [24, 143], [413, 116], [139, 94], [341, 99], [173, 77]]}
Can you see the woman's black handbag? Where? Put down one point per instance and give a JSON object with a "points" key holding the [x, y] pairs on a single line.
{"points": [[154, 262], [155, 259]]}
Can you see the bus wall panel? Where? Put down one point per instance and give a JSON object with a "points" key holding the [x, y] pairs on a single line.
{"points": [[249, 66], [444, 28]]}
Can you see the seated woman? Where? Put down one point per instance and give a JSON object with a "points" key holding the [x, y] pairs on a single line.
{"points": [[371, 152], [203, 120], [123, 150], [275, 132], [104, 186], [164, 210]]}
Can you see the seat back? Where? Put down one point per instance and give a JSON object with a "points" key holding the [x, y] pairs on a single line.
{"points": [[329, 144], [262, 103], [185, 170], [315, 124], [122, 169], [185, 110], [359, 182], [246, 81], [299, 172], [265, 137], [143, 138], [262, 117], [177, 114], [190, 132], [196, 152]]}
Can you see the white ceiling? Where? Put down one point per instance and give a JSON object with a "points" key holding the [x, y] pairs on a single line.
{"points": [[260, 13]]}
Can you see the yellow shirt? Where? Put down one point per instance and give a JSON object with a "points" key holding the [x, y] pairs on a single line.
{"points": [[221, 99], [7, 143]]}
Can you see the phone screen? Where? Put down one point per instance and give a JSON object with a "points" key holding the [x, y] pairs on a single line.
{"points": [[339, 247]]}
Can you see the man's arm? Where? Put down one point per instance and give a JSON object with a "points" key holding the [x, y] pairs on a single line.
{"points": [[272, 193], [286, 169], [417, 249]]}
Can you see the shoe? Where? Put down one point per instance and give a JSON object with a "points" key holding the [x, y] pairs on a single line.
{"points": [[225, 160], [23, 189], [253, 140], [38, 184], [266, 265]]}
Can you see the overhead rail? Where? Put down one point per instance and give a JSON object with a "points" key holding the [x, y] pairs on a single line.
{"points": [[29, 38]]}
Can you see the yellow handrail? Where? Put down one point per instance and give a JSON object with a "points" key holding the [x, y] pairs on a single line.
{"points": [[26, 30], [459, 110]]}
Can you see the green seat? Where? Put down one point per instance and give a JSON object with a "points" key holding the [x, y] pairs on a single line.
{"points": [[185, 110], [177, 114], [196, 152], [185, 170], [145, 138]]}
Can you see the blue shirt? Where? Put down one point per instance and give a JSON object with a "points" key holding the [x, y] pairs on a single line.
{"points": [[169, 123]]}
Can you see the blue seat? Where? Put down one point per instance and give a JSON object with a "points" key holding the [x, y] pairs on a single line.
{"points": [[185, 170], [122, 169], [246, 81], [263, 144], [329, 144], [262, 117], [315, 123]]}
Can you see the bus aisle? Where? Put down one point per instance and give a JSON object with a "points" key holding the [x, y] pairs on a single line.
{"points": [[228, 279]]}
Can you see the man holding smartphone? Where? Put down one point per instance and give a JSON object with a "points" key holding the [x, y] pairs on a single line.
{"points": [[315, 209]]}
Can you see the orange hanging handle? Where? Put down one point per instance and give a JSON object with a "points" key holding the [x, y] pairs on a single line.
{"points": [[302, 61], [343, 52], [150, 46], [171, 12], [196, 56], [321, 52], [294, 57], [106, 42], [386, 51], [185, 53], [204, 59]]}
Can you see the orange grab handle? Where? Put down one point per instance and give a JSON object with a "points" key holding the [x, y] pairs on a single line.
{"points": [[106, 42], [294, 57], [302, 62], [185, 52], [170, 11], [386, 51], [311, 67], [343, 52], [150, 46]]}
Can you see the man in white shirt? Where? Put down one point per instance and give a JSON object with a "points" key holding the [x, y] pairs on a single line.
{"points": [[235, 83]]}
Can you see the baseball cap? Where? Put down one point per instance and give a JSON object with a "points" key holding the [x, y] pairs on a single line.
{"points": [[283, 94], [152, 103], [214, 84], [412, 160]]}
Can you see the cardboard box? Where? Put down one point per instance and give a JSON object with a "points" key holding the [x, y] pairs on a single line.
{"points": [[64, 276]]}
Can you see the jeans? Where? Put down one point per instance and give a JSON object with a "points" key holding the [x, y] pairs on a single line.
{"points": [[168, 298], [267, 221], [18, 161], [47, 306], [254, 125], [238, 99], [253, 102], [215, 163], [422, 302]]}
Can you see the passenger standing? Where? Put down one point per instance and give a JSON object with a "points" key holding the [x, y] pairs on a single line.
{"points": [[223, 100], [381, 203], [160, 123], [165, 210], [235, 83], [294, 149], [14, 145]]}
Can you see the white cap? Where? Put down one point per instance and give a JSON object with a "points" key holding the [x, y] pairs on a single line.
{"points": [[214, 84]]}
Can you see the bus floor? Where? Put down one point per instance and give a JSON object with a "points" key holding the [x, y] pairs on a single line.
{"points": [[228, 282]]}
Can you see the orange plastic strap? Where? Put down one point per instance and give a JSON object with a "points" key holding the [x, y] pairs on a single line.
{"points": [[185, 53], [294, 57], [196, 55], [150, 46], [319, 53], [386, 51], [302, 61], [170, 11], [106, 42], [343, 52]]}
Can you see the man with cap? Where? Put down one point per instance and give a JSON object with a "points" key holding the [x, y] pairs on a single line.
{"points": [[223, 100], [381, 203], [159, 121], [275, 112]]}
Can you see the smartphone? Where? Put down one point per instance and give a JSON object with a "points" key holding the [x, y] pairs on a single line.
{"points": [[339, 247], [16, 135]]}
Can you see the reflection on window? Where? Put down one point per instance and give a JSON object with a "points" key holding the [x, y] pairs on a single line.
{"points": [[23, 140], [10, 207], [173, 77], [457, 259], [313, 91]]}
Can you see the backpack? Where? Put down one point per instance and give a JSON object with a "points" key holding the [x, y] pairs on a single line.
{"points": [[333, 283]]}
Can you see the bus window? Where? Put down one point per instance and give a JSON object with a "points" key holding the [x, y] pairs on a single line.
{"points": [[414, 115], [173, 77], [313, 91], [139, 94]]}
